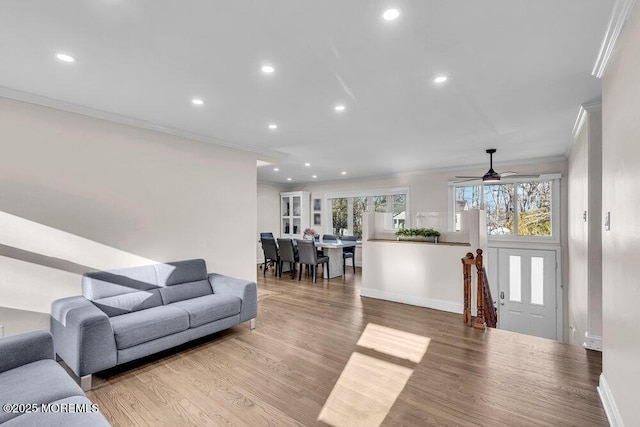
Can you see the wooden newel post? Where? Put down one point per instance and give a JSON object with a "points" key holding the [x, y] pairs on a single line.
{"points": [[480, 322], [466, 270]]}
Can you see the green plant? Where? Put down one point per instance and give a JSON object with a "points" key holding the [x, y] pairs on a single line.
{"points": [[425, 232]]}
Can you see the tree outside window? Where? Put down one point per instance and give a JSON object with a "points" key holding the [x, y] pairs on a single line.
{"points": [[522, 209]]}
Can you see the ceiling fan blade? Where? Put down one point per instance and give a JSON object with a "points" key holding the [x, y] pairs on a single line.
{"points": [[507, 173], [520, 176], [468, 177]]}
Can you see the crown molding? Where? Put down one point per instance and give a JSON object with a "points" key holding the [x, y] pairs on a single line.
{"points": [[585, 108], [619, 16], [44, 101]]}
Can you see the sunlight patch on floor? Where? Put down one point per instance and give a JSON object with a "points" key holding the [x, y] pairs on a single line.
{"points": [[365, 392], [393, 342], [368, 386]]}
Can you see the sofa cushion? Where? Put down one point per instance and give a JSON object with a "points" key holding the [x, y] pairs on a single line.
{"points": [[129, 302], [173, 273], [147, 325], [117, 292], [185, 291], [38, 382], [104, 284], [79, 413], [209, 308]]}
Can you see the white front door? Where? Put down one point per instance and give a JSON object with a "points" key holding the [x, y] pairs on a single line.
{"points": [[527, 300]]}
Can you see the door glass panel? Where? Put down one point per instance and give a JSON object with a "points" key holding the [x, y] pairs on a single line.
{"points": [[296, 206], [514, 278], [286, 226], [285, 206], [537, 279]]}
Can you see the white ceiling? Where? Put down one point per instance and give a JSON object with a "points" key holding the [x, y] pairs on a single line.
{"points": [[518, 71]]}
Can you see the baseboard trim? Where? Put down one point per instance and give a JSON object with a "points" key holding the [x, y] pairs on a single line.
{"points": [[610, 408], [592, 342], [413, 300]]}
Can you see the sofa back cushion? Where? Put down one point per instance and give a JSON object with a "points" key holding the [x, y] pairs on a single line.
{"points": [[127, 290], [183, 291], [122, 291], [175, 273], [183, 280]]}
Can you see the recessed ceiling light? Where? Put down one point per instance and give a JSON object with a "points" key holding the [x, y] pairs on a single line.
{"points": [[307, 164], [343, 172], [390, 14], [314, 176], [197, 101], [276, 169], [339, 107], [267, 69], [288, 179], [273, 126], [65, 58], [440, 79]]}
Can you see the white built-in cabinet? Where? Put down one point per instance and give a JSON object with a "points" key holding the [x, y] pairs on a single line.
{"points": [[294, 213]]}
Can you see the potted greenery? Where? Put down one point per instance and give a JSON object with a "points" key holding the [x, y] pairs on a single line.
{"points": [[418, 234]]}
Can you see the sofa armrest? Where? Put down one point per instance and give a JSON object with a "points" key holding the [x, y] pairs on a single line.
{"points": [[243, 289], [82, 335], [18, 350]]}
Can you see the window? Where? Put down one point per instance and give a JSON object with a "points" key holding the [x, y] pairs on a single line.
{"points": [[347, 209], [516, 209]]}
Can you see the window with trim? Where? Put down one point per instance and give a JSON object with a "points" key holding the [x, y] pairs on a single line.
{"points": [[347, 209], [517, 209]]}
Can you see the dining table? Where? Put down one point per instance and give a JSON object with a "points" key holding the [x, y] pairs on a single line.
{"points": [[333, 249]]}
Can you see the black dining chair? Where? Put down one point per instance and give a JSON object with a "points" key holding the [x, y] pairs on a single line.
{"points": [[327, 238], [266, 235], [288, 253], [271, 254], [307, 255], [348, 252]]}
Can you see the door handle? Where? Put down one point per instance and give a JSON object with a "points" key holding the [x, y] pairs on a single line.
{"points": [[501, 294]]}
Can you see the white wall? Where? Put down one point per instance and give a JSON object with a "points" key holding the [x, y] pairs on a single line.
{"points": [[268, 212], [136, 191], [595, 223], [621, 245], [578, 238]]}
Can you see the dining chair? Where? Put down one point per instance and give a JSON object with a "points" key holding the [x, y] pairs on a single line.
{"points": [[327, 238], [271, 254], [348, 252], [288, 253], [307, 255], [266, 235]]}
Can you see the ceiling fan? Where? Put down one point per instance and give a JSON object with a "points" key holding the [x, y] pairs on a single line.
{"points": [[492, 176]]}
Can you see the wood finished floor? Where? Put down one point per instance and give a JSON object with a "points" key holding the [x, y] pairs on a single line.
{"points": [[282, 373]]}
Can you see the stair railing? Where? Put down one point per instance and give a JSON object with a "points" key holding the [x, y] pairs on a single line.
{"points": [[486, 314]]}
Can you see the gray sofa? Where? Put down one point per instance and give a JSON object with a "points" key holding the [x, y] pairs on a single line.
{"points": [[130, 313], [31, 378]]}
